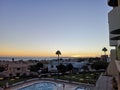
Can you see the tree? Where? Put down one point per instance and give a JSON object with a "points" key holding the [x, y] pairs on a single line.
{"points": [[61, 68], [69, 67], [33, 68], [39, 65], [36, 67], [85, 68], [2, 68], [104, 50], [58, 53], [99, 65]]}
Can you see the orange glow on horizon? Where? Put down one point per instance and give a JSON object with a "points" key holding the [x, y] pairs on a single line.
{"points": [[23, 54], [44, 54]]}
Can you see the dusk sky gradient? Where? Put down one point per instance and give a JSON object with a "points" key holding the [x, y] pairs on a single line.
{"points": [[41, 27]]}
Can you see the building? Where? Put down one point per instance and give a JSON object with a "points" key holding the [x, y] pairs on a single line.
{"points": [[114, 38], [15, 69], [77, 66]]}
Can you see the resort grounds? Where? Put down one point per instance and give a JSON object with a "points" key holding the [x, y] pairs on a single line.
{"points": [[58, 82], [71, 81], [71, 72]]}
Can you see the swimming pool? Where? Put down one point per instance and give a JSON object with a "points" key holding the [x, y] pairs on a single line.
{"points": [[40, 86], [84, 88], [80, 88]]}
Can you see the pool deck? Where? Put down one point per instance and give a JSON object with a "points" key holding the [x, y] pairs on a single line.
{"points": [[61, 84]]}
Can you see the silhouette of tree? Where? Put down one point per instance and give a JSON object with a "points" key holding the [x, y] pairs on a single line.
{"points": [[61, 68], [85, 68], [2, 68], [99, 65], [69, 67], [58, 53], [39, 65], [104, 50], [36, 67]]}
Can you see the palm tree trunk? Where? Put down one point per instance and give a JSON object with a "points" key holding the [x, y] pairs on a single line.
{"points": [[58, 64]]}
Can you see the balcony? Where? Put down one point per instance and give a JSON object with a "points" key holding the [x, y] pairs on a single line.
{"points": [[114, 25], [117, 31], [115, 38], [113, 42], [113, 3]]}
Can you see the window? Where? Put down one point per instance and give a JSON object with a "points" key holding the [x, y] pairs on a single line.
{"points": [[18, 68], [17, 74], [10, 75], [51, 66]]}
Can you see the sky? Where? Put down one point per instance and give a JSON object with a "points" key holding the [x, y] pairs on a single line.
{"points": [[78, 28]]}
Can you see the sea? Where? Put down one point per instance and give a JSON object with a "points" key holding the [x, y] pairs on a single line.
{"points": [[30, 58]]}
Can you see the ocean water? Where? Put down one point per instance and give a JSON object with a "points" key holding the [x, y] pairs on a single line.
{"points": [[29, 58]]}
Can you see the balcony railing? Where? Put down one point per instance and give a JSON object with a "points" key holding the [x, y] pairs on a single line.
{"points": [[113, 3]]}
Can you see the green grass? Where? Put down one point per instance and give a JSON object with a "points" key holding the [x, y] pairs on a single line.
{"points": [[83, 78], [90, 78], [11, 81]]}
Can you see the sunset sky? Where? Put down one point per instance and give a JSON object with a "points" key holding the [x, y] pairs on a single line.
{"points": [[77, 28]]}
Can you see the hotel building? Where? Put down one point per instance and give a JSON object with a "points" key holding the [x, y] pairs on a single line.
{"points": [[15, 69], [114, 36]]}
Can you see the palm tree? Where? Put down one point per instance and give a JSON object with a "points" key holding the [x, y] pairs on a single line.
{"points": [[104, 50], [58, 53]]}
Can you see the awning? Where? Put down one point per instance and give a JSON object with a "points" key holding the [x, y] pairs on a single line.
{"points": [[117, 31]]}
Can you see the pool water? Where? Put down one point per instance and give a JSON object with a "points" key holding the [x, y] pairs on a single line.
{"points": [[40, 86], [80, 88], [84, 88]]}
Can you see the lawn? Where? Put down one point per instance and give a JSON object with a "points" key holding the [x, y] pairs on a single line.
{"points": [[90, 78], [12, 80]]}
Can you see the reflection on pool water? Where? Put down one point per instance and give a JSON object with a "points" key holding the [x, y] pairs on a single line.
{"points": [[40, 86], [84, 88], [80, 88]]}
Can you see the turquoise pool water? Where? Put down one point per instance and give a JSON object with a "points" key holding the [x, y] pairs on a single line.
{"points": [[40, 86], [84, 88], [80, 88]]}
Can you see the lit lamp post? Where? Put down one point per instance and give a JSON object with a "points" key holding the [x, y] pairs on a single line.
{"points": [[104, 50]]}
